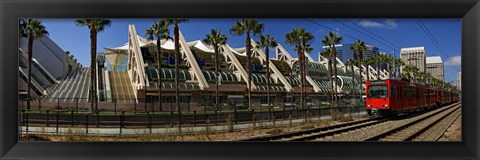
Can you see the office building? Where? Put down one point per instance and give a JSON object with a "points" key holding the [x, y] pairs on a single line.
{"points": [[435, 67]]}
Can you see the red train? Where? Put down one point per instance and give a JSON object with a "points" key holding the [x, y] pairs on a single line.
{"points": [[393, 96]]}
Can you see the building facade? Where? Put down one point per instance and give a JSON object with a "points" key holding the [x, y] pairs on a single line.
{"points": [[435, 67], [58, 62], [344, 53], [414, 56]]}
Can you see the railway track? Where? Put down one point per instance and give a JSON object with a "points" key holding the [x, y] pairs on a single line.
{"points": [[381, 131], [306, 134], [371, 129], [435, 132], [411, 130]]}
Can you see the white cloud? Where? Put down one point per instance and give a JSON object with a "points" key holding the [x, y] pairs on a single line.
{"points": [[370, 23], [337, 30], [454, 61], [388, 23]]}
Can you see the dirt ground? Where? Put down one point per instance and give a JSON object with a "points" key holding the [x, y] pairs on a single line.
{"points": [[454, 132], [225, 136]]}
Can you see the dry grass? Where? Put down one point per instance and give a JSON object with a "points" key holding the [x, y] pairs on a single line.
{"points": [[454, 132], [204, 135]]}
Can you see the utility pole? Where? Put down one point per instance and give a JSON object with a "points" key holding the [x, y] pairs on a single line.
{"points": [[394, 67]]}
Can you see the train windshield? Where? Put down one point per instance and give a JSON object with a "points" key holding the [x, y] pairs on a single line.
{"points": [[378, 91]]}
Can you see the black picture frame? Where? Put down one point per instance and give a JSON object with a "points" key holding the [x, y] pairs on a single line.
{"points": [[468, 10]]}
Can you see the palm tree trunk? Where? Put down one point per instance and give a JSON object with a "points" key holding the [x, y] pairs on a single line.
{"points": [[359, 64], [399, 70], [353, 90], [30, 57], [218, 76], [301, 60], [159, 66], [378, 70], [335, 74], [389, 70], [331, 79], [177, 61], [93, 53], [268, 76], [368, 71], [304, 89], [249, 70]]}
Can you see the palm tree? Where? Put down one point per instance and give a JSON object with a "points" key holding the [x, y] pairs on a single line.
{"points": [[160, 31], [95, 26], [377, 58], [411, 70], [367, 62], [334, 40], [305, 38], [266, 42], [423, 76], [247, 26], [327, 54], [176, 35], [400, 64], [359, 47], [301, 39], [389, 61], [215, 38], [351, 63], [32, 29]]}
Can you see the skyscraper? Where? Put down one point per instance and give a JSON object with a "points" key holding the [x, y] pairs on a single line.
{"points": [[414, 56], [435, 67], [344, 52]]}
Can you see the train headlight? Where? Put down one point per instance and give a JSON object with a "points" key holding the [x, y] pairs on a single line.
{"points": [[369, 106], [385, 106]]}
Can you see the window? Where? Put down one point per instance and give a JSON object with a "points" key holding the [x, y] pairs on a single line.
{"points": [[393, 91], [409, 92], [377, 91]]}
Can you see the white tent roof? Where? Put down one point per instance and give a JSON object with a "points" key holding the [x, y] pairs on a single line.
{"points": [[239, 51], [199, 45], [167, 44]]}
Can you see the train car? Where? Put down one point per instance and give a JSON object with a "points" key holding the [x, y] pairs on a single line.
{"points": [[440, 96], [393, 96], [431, 97]]}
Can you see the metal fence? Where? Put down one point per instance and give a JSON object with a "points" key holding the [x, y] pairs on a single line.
{"points": [[207, 103], [58, 119]]}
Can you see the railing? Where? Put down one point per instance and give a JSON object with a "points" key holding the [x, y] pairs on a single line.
{"points": [[72, 123], [82, 121], [205, 104]]}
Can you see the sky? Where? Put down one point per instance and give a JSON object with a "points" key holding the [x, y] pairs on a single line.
{"points": [[386, 34]]}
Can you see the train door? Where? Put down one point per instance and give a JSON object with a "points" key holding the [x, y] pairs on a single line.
{"points": [[399, 98], [393, 98], [427, 96], [417, 98]]}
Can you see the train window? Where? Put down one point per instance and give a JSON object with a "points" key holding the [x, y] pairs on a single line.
{"points": [[418, 93], [378, 91], [409, 92], [393, 90]]}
